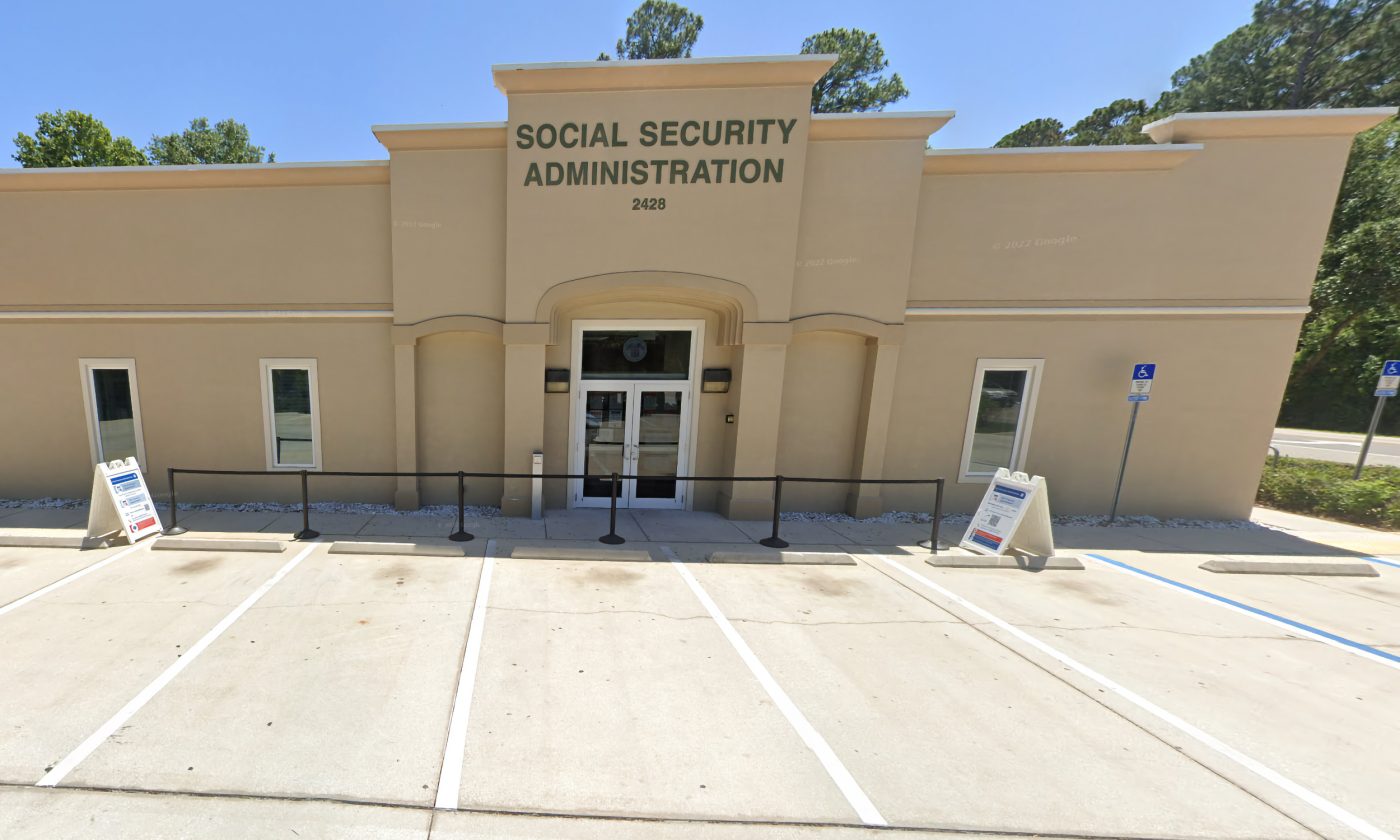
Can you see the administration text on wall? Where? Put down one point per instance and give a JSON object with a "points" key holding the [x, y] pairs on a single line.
{"points": [[728, 166]]}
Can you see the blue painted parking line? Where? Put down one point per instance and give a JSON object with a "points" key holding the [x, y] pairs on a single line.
{"points": [[1382, 562], [1323, 636]]}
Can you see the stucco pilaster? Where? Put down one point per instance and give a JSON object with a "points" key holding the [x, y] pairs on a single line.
{"points": [[872, 428], [406, 425], [524, 417], [752, 449]]}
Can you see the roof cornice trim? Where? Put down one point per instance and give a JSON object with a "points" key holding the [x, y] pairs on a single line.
{"points": [[878, 125], [662, 74], [422, 137], [1240, 125], [1042, 159], [310, 174]]}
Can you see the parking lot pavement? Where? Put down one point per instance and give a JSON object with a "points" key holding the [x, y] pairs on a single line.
{"points": [[1363, 609], [74, 657], [26, 570], [336, 684], [772, 699], [945, 726], [605, 688], [1320, 716]]}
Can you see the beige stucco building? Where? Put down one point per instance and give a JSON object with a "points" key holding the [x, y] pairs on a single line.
{"points": [[642, 236]]}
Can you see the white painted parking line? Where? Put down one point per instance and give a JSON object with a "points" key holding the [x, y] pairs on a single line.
{"points": [[14, 605], [86, 748], [1327, 807], [450, 779], [865, 809]]}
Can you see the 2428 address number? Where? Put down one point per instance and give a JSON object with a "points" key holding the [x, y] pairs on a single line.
{"points": [[648, 204]]}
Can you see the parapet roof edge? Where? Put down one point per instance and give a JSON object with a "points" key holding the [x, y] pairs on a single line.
{"points": [[436, 126], [1308, 122], [870, 115], [196, 176], [666, 62], [1059, 150], [1045, 159], [662, 74], [195, 167]]}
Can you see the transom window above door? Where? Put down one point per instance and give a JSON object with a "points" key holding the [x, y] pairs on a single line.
{"points": [[635, 354]]}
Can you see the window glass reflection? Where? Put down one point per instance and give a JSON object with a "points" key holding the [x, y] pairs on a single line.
{"points": [[998, 420], [116, 417], [291, 417]]}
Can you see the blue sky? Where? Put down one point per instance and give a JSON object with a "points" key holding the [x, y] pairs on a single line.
{"points": [[309, 79]]}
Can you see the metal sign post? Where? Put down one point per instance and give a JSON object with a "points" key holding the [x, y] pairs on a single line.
{"points": [[1138, 391], [1385, 388]]}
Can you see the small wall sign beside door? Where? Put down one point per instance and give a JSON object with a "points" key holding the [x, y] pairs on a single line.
{"points": [[634, 349]]}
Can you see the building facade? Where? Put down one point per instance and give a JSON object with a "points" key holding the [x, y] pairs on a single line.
{"points": [[673, 268]]}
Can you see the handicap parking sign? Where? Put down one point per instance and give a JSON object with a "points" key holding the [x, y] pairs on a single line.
{"points": [[1390, 379], [1150, 371]]}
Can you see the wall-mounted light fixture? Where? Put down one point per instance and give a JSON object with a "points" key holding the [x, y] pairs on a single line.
{"points": [[556, 381], [716, 381]]}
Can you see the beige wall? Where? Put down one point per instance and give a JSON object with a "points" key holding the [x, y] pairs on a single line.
{"points": [[821, 401], [1200, 441], [859, 207], [449, 234], [201, 405], [278, 246], [745, 233], [1241, 220], [460, 423]]}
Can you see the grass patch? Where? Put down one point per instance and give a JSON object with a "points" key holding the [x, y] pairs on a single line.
{"points": [[1326, 489]]}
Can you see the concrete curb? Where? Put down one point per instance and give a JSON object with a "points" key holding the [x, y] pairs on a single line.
{"points": [[783, 558], [1265, 567], [43, 542], [178, 544], [397, 549], [527, 553], [1067, 562]]}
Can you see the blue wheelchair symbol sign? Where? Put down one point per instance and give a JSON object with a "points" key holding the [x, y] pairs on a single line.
{"points": [[1391, 369], [1150, 371]]}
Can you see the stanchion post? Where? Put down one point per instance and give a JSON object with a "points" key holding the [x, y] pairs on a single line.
{"points": [[305, 533], [174, 528], [932, 542], [461, 535], [775, 541], [611, 537]]}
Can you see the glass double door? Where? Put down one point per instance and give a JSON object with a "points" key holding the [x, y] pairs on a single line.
{"points": [[639, 430]]}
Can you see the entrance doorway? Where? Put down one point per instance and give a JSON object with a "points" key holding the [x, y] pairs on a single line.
{"points": [[634, 412]]}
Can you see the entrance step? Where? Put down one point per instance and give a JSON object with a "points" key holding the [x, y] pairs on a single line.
{"points": [[527, 553], [790, 558]]}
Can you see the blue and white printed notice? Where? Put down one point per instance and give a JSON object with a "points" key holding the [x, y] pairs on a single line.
{"points": [[121, 502], [1014, 511]]}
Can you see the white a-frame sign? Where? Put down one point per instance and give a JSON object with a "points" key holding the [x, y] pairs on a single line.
{"points": [[1014, 514], [121, 502]]}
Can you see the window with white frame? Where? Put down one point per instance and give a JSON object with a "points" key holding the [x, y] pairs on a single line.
{"points": [[113, 406], [291, 414], [999, 417]]}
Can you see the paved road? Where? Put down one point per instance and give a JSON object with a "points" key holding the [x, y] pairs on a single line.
{"points": [[1335, 446], [482, 696]]}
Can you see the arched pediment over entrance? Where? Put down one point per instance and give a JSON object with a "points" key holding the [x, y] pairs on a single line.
{"points": [[733, 302]]}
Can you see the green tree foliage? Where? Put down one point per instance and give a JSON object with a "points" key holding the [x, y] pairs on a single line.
{"points": [[1045, 132], [854, 82], [659, 29], [1299, 54], [70, 138], [226, 142]]}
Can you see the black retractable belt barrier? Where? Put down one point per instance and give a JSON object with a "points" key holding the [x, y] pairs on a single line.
{"points": [[615, 480]]}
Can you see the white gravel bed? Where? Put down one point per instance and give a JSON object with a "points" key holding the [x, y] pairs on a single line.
{"points": [[274, 507]]}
